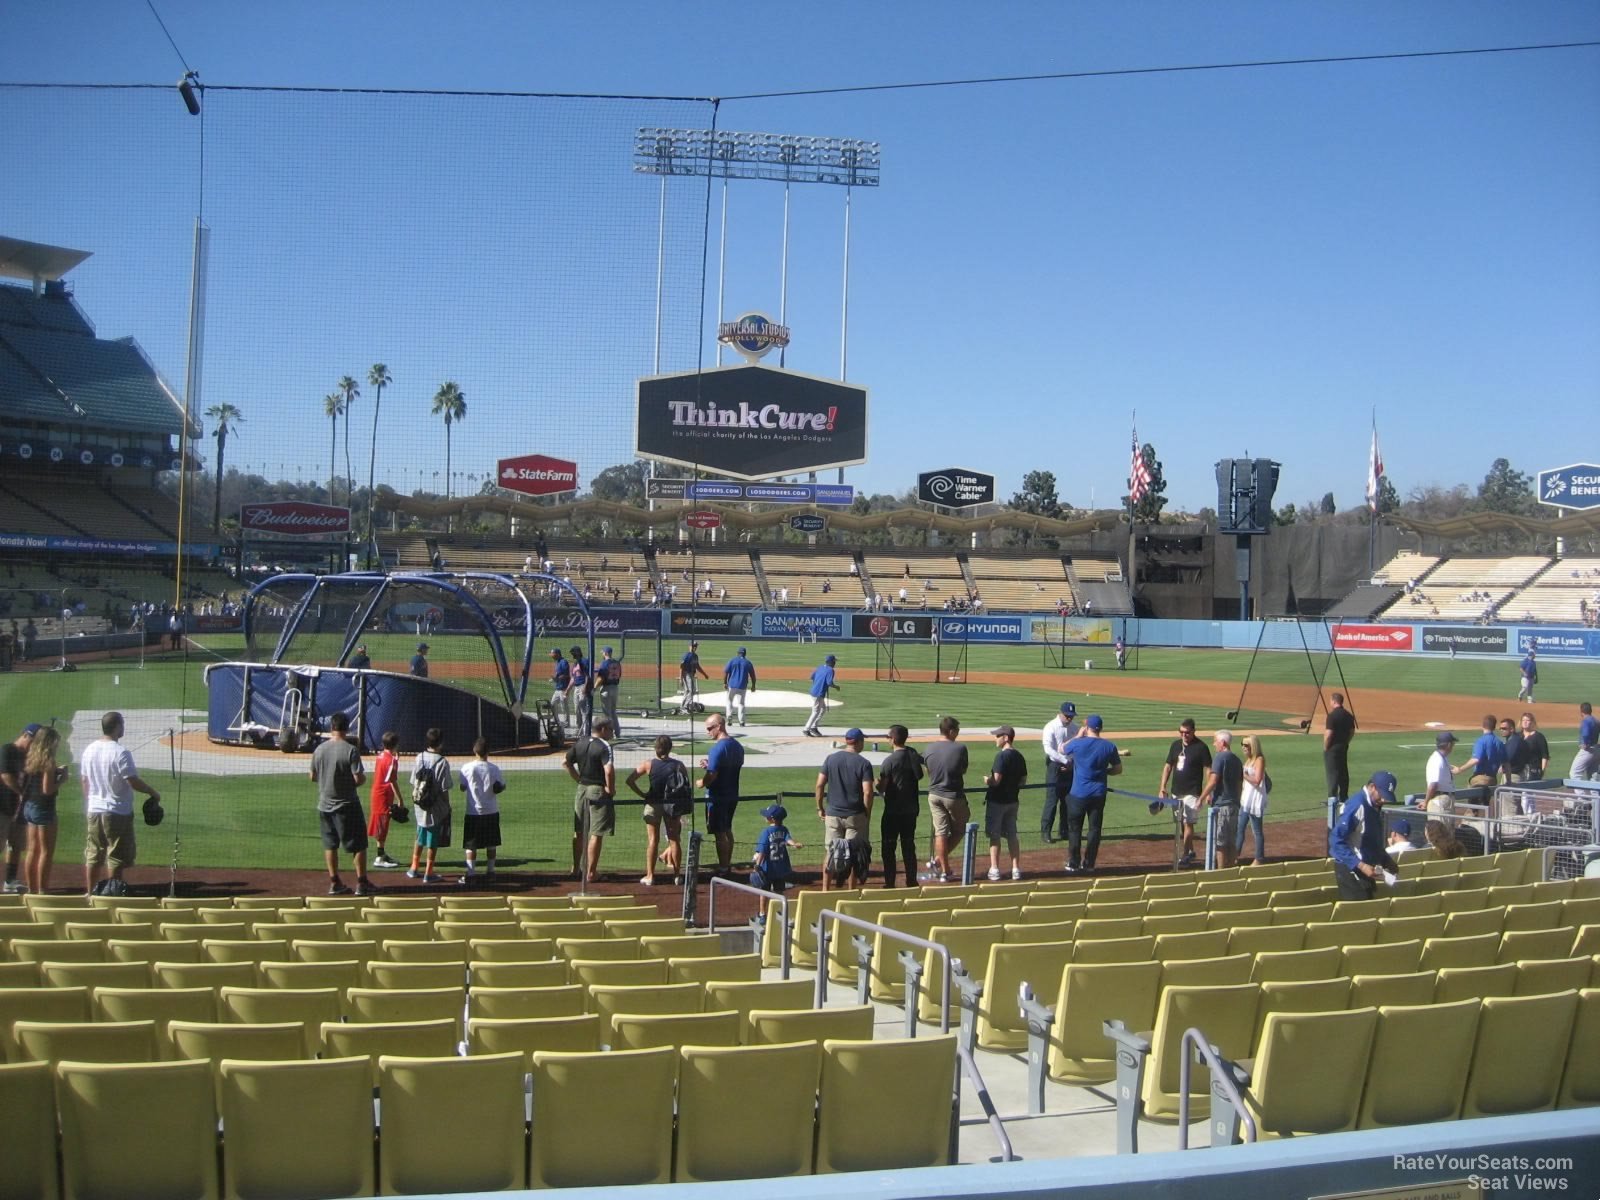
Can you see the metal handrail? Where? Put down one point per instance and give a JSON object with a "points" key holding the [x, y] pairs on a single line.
{"points": [[828, 914], [783, 913], [1194, 1039], [969, 1067], [1547, 856]]}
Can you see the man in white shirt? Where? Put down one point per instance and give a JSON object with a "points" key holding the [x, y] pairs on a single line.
{"points": [[1057, 771], [1441, 775], [482, 783], [109, 780]]}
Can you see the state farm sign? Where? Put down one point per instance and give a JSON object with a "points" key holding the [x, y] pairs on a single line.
{"points": [[537, 475], [1372, 637], [293, 518]]}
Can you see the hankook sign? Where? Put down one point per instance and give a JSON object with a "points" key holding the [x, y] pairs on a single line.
{"points": [[751, 422]]}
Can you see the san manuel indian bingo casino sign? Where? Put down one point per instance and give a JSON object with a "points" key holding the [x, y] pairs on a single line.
{"points": [[753, 335]]}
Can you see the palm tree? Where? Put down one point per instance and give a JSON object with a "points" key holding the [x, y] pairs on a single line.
{"points": [[227, 418], [450, 402], [351, 392], [378, 378], [333, 406]]}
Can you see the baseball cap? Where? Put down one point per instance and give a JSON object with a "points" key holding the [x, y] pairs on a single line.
{"points": [[852, 735], [32, 727], [1444, 739], [741, 649], [361, 645], [607, 650], [555, 654], [1003, 731], [421, 646], [1385, 783], [1094, 722], [576, 650], [1401, 826], [1068, 708], [830, 660], [692, 645], [775, 812]]}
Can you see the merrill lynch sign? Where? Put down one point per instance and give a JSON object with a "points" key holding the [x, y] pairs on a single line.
{"points": [[293, 518]]}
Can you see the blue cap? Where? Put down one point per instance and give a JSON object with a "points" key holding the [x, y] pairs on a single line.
{"points": [[1093, 721], [607, 650], [1444, 739], [776, 812], [31, 728], [421, 646], [830, 660], [1385, 783], [852, 735], [741, 649], [1068, 708], [1401, 826]]}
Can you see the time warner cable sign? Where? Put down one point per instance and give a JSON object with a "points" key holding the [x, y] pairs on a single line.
{"points": [[751, 422], [1575, 486]]}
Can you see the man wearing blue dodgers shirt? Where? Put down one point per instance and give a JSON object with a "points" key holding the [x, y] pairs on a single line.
{"points": [[738, 677], [1356, 841], [1094, 759], [1587, 761], [721, 765], [821, 682]]}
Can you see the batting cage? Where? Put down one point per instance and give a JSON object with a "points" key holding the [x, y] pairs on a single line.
{"points": [[919, 650], [1078, 643]]}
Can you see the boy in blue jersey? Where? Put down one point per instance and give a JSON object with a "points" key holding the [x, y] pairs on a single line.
{"points": [[772, 866], [822, 681]]}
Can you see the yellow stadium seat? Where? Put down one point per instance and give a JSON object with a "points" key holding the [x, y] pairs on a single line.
{"points": [[1519, 1054], [885, 1105], [27, 1097], [565, 1000], [696, 945], [306, 1007], [215, 976], [600, 948], [1201, 972], [160, 1005], [1475, 922], [1475, 983], [511, 950], [93, 975], [1286, 965], [1291, 1090], [341, 976], [214, 1041], [223, 951], [86, 1041], [18, 974], [608, 1001], [472, 931], [774, 1026], [1414, 906], [1337, 933], [1113, 950], [1016, 934], [524, 1035], [413, 1039], [1090, 995], [636, 927], [1186, 921], [1580, 1079], [728, 968], [1274, 939], [1516, 945], [432, 953], [1541, 976], [1204, 943], [644, 1031], [147, 1129], [1000, 1025], [491, 973], [1417, 928], [1391, 958], [620, 973], [1395, 1093], [42, 950], [1463, 899], [742, 997], [1228, 1017], [722, 1136], [1532, 916], [417, 975], [298, 1128], [634, 1088], [408, 1004], [1472, 950], [1400, 990], [328, 952], [452, 1124]]}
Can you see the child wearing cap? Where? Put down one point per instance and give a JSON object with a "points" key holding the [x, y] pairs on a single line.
{"points": [[772, 867]]}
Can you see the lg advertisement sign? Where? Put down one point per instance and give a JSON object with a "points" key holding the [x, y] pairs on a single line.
{"points": [[751, 422], [955, 487], [537, 475], [293, 518]]}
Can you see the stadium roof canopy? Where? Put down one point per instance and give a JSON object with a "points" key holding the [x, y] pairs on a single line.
{"points": [[35, 261]]}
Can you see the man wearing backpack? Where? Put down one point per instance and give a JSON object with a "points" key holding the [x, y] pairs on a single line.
{"points": [[668, 799], [594, 809], [430, 799]]}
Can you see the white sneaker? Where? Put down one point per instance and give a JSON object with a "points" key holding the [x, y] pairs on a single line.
{"points": [[1016, 872], [15, 887], [994, 874]]}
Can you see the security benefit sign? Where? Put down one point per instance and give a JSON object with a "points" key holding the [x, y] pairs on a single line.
{"points": [[1576, 486], [955, 487], [751, 422]]}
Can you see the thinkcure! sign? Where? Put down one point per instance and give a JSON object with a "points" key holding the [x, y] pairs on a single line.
{"points": [[955, 487], [293, 518], [537, 475]]}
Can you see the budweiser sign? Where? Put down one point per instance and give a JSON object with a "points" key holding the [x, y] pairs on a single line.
{"points": [[537, 475], [1372, 637], [293, 518]]}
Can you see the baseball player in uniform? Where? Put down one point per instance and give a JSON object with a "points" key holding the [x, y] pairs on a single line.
{"points": [[739, 677]]}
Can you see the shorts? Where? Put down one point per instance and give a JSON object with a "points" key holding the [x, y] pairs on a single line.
{"points": [[1225, 820], [950, 814], [1190, 807], [719, 815], [1000, 821], [437, 835], [109, 839], [654, 814], [480, 831], [592, 813], [37, 812], [345, 827], [378, 823], [853, 828]]}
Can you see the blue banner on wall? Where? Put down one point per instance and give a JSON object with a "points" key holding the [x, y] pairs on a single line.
{"points": [[88, 545], [791, 624], [1563, 643], [982, 629]]}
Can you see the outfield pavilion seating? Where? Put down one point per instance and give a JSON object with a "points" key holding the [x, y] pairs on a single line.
{"points": [[886, 571], [1444, 594], [1385, 588], [1008, 584], [1554, 596], [1100, 586], [729, 569], [1406, 566], [803, 574]]}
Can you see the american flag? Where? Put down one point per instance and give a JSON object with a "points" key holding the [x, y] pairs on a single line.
{"points": [[1139, 477]]}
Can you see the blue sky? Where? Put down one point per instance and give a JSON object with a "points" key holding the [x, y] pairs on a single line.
{"points": [[1252, 260]]}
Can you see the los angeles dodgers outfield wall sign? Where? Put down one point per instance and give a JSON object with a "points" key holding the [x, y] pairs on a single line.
{"points": [[751, 422]]}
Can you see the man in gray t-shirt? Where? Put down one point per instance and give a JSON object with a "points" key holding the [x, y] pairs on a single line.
{"points": [[844, 802], [337, 771], [946, 760]]}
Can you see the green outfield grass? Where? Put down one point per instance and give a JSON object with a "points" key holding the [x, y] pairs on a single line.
{"points": [[253, 820]]}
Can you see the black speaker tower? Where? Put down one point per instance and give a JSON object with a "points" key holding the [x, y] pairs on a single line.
{"points": [[1245, 487]]}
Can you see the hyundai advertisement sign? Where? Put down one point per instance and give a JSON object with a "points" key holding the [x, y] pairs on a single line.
{"points": [[982, 629], [751, 422], [1575, 486]]}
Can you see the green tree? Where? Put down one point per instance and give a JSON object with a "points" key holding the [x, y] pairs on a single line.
{"points": [[623, 483], [351, 391], [227, 418], [378, 378], [1504, 490], [333, 408], [1148, 510], [1388, 497], [1287, 515], [1038, 497], [1327, 508], [450, 403]]}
